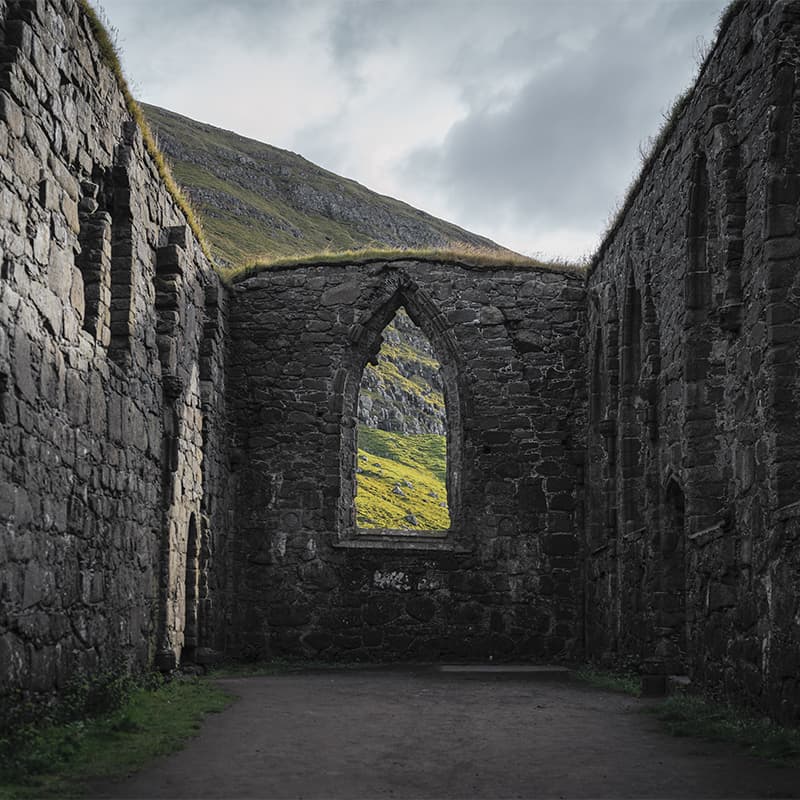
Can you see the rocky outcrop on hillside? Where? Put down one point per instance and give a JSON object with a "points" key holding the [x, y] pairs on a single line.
{"points": [[403, 392]]}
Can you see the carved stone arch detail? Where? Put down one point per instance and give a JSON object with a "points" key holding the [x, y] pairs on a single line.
{"points": [[651, 340], [699, 229], [365, 338], [715, 223], [611, 316]]}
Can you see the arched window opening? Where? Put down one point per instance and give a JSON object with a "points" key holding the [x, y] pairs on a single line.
{"points": [[633, 450], [598, 375], [700, 233], [705, 354], [698, 220], [191, 591], [633, 334], [94, 261], [401, 469]]}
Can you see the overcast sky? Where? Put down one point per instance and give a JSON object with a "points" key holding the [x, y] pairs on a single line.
{"points": [[517, 119]]}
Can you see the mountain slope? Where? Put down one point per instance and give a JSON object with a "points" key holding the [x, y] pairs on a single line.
{"points": [[256, 200], [401, 481]]}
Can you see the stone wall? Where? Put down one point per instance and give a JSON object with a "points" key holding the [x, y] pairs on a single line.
{"points": [[178, 459], [504, 581], [110, 372], [693, 450]]}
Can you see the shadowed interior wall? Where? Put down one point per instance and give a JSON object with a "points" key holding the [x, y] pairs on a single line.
{"points": [[104, 330], [177, 457], [505, 580], [711, 238]]}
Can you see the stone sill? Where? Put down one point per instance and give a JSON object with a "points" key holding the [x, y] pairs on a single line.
{"points": [[432, 541], [635, 534]]}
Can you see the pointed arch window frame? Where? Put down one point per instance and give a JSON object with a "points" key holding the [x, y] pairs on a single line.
{"points": [[365, 338]]}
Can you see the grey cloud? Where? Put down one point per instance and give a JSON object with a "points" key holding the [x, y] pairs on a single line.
{"points": [[251, 22], [563, 149], [556, 95]]}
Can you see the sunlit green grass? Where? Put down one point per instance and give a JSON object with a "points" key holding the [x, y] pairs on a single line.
{"points": [[416, 463], [457, 254]]}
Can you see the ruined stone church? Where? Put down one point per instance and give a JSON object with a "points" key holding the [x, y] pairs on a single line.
{"points": [[177, 455]]}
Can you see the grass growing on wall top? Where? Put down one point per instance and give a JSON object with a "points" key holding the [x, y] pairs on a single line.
{"points": [[416, 463], [458, 254], [110, 57]]}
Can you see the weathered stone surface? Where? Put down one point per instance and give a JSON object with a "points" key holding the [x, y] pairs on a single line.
{"points": [[505, 422], [179, 457], [692, 461], [95, 526]]}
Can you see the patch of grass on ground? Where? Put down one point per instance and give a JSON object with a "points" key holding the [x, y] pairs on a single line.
{"points": [[690, 715], [626, 682], [416, 464], [59, 759]]}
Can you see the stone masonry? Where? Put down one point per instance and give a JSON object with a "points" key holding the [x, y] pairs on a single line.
{"points": [[693, 560], [177, 455], [110, 371], [503, 580]]}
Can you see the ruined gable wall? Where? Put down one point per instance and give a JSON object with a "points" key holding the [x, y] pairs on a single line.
{"points": [[693, 343], [110, 369], [505, 581]]}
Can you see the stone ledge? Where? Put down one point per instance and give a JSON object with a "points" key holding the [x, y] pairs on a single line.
{"points": [[708, 535], [402, 540], [791, 511]]}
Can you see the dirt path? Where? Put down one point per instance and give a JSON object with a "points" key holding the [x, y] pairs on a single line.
{"points": [[417, 733]]}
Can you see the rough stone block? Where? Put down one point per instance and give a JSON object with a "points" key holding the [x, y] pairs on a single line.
{"points": [[560, 544], [11, 114], [344, 294]]}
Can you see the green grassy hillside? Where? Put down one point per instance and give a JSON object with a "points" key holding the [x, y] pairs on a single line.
{"points": [[258, 201], [399, 475]]}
